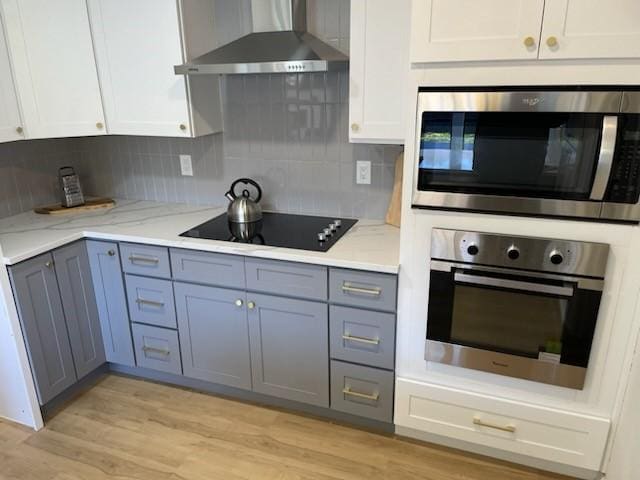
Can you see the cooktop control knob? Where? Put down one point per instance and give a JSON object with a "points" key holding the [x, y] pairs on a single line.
{"points": [[556, 257], [327, 232], [337, 222], [333, 227], [321, 237], [513, 252], [473, 249]]}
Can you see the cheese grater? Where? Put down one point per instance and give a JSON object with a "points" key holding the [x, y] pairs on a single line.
{"points": [[70, 189]]}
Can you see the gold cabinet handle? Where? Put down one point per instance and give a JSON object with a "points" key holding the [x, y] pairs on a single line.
{"points": [[153, 303], [355, 127], [19, 130], [239, 302], [251, 305], [375, 291], [506, 428], [48, 264], [183, 127], [99, 125], [529, 42], [111, 253], [136, 258], [552, 42], [369, 341], [366, 396], [161, 351]]}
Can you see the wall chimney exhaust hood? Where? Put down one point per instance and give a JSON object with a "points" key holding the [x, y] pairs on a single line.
{"points": [[279, 43]]}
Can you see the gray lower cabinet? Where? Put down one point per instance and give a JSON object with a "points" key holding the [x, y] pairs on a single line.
{"points": [[289, 348], [151, 301], [108, 283], [35, 288], [157, 348], [80, 309], [214, 334]]}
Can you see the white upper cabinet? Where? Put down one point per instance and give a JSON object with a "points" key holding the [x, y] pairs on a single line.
{"points": [[378, 71], [591, 29], [10, 122], [137, 45], [54, 67], [467, 30]]}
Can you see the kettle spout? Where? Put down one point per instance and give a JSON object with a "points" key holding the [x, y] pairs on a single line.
{"points": [[230, 196]]}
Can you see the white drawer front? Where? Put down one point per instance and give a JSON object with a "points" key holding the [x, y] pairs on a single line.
{"points": [[540, 432]]}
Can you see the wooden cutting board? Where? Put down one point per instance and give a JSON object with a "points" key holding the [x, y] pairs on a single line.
{"points": [[92, 204], [395, 204]]}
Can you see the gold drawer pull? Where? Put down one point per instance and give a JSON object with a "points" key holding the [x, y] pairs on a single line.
{"points": [[161, 351], [375, 291], [153, 303], [136, 258], [507, 428], [366, 396], [370, 341]]}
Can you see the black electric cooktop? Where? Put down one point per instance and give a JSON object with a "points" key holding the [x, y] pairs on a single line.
{"points": [[303, 232]]}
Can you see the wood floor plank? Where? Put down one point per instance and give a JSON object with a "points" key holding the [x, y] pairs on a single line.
{"points": [[129, 429]]}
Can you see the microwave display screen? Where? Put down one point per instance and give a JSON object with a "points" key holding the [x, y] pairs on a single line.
{"points": [[508, 322], [545, 155]]}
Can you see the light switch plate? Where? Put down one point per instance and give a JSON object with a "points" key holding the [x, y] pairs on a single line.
{"points": [[186, 168], [363, 172]]}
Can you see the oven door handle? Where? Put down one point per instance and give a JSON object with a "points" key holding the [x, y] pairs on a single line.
{"points": [[513, 284], [605, 157]]}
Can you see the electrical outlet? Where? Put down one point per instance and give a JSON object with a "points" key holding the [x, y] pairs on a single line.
{"points": [[363, 172], [186, 168]]}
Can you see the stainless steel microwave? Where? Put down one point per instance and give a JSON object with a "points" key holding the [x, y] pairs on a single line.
{"points": [[560, 153]]}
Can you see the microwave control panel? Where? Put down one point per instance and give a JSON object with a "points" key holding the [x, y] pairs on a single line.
{"points": [[624, 183]]}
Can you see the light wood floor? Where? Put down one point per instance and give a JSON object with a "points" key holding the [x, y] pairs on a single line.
{"points": [[131, 429]]}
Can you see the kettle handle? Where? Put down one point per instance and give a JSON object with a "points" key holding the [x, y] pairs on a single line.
{"points": [[246, 181]]}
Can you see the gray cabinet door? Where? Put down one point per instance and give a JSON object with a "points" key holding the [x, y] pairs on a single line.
{"points": [[80, 309], [289, 348], [108, 284], [38, 299], [151, 301], [214, 334]]}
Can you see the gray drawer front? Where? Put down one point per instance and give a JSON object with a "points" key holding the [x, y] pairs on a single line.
{"points": [[145, 260], [151, 301], [157, 348], [362, 336], [208, 268], [363, 391], [285, 278], [363, 289]]}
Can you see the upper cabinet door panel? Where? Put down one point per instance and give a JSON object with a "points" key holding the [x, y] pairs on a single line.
{"points": [[378, 71], [591, 29], [469, 30], [136, 48], [55, 70], [10, 121]]}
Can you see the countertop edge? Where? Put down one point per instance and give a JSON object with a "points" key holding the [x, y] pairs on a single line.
{"points": [[267, 253]]}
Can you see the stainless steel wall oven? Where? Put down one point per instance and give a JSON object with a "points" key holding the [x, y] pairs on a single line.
{"points": [[569, 153], [517, 306]]}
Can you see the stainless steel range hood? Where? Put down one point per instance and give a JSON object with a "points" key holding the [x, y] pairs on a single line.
{"points": [[279, 43]]}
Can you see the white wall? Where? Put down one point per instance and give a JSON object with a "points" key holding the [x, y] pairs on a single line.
{"points": [[18, 401]]}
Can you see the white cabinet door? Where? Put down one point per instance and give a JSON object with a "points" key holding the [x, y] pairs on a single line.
{"points": [[136, 48], [379, 68], [10, 122], [591, 29], [468, 30], [55, 70]]}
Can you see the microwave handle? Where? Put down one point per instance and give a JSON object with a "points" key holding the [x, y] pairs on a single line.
{"points": [[513, 284], [605, 157]]}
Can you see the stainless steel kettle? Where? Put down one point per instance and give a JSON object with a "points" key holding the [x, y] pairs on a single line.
{"points": [[243, 208]]}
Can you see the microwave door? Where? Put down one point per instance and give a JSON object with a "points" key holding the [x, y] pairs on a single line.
{"points": [[605, 157]]}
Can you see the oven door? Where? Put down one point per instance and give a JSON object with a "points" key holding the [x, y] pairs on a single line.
{"points": [[539, 153], [534, 326]]}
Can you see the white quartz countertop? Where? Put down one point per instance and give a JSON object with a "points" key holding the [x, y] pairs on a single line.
{"points": [[369, 245]]}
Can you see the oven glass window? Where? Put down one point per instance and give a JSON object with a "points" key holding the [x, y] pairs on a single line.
{"points": [[547, 155], [507, 321]]}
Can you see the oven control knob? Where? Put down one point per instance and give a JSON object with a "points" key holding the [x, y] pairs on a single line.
{"points": [[473, 249], [556, 257], [337, 222], [513, 252]]}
